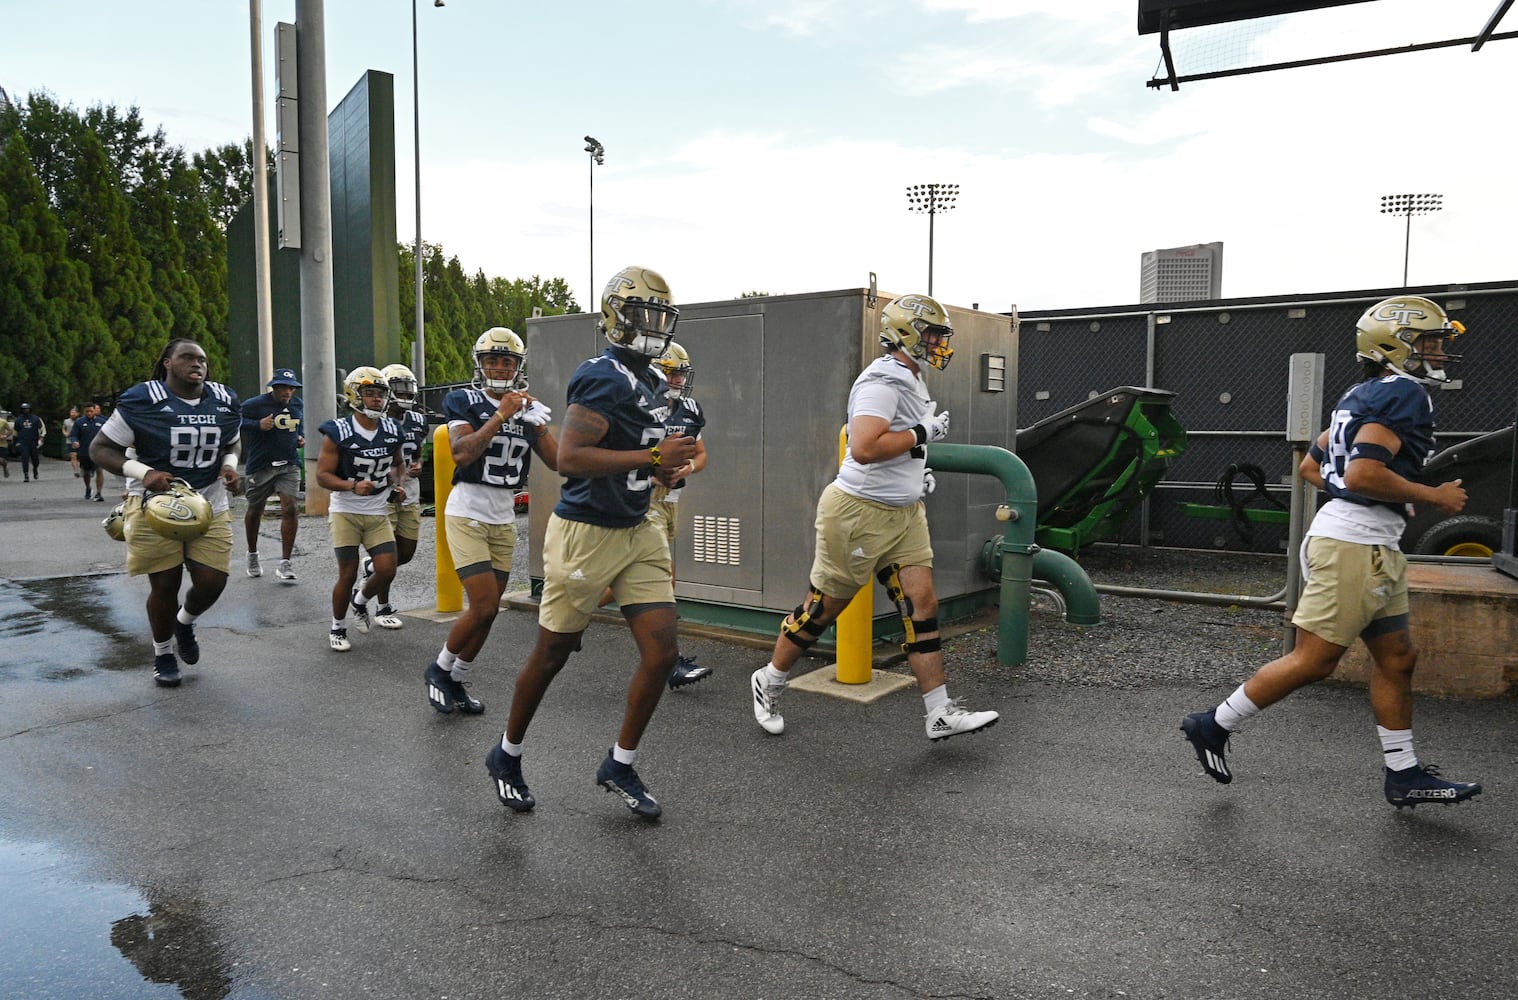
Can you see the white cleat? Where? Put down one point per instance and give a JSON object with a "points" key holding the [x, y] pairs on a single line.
{"points": [[338, 637], [387, 618], [954, 719], [767, 703]]}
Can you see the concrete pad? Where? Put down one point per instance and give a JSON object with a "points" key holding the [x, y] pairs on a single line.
{"points": [[825, 681]]}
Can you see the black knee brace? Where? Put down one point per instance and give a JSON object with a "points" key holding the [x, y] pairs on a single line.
{"points": [[799, 627]]}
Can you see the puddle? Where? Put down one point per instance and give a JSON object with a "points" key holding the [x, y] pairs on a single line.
{"points": [[63, 934], [68, 627]]}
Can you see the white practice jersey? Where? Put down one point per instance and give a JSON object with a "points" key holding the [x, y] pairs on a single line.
{"points": [[890, 390]]}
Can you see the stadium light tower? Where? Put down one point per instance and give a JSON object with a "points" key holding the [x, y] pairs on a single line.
{"points": [[1410, 205], [418, 346], [597, 156], [932, 199]]}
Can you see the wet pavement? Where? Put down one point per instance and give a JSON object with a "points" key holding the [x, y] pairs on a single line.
{"points": [[296, 823]]}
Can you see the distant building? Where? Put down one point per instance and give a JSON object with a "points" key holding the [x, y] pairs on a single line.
{"points": [[1182, 274]]}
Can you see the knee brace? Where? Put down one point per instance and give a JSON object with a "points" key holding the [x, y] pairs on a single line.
{"points": [[799, 627], [890, 579]]}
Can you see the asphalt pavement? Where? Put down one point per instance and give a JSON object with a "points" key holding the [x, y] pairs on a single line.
{"points": [[295, 823]]}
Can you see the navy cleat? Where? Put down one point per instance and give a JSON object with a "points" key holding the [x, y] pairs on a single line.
{"points": [[1210, 741], [189, 646], [510, 788], [445, 694], [622, 779], [166, 670], [687, 671], [1421, 783]]}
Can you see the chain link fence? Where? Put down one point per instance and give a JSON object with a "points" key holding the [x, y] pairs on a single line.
{"points": [[1227, 362]]}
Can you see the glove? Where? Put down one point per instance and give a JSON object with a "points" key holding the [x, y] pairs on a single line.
{"points": [[535, 413], [929, 484], [936, 429]]}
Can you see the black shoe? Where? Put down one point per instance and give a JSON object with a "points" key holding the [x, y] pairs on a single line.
{"points": [[166, 670], [1421, 783], [1209, 740], [99, 498], [509, 786], [445, 694], [687, 671], [622, 779], [189, 646]]}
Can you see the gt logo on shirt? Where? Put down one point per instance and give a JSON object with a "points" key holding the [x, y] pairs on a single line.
{"points": [[286, 421]]}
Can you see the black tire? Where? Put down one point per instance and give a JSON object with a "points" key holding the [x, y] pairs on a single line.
{"points": [[1466, 535]]}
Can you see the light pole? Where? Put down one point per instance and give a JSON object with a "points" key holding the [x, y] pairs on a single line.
{"points": [[419, 345], [597, 155], [1410, 205], [931, 198]]}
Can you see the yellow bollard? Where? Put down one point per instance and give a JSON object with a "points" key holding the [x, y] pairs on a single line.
{"points": [[855, 628], [450, 592]]}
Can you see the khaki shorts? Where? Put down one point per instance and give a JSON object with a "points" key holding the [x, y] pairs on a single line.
{"points": [[474, 542], [406, 520], [266, 482], [665, 514], [150, 552], [581, 560], [856, 538], [368, 530], [1348, 587]]}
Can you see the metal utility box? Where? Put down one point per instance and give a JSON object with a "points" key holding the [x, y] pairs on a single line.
{"points": [[773, 377]]}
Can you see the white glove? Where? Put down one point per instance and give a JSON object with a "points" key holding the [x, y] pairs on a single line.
{"points": [[938, 427], [535, 413], [929, 484]]}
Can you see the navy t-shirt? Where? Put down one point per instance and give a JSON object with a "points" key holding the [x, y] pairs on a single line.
{"points": [[263, 448]]}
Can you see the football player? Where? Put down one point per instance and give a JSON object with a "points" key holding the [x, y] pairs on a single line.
{"points": [[180, 426], [1355, 576], [612, 450], [362, 463], [494, 428], [405, 515], [272, 425]]}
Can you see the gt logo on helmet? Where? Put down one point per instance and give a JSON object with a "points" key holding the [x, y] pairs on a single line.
{"points": [[1399, 313]]}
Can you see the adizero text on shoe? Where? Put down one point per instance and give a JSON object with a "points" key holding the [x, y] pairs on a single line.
{"points": [[338, 639], [766, 698], [253, 568], [387, 618], [624, 781], [687, 671], [445, 694], [506, 770], [285, 572], [1210, 741], [1421, 783], [166, 670], [360, 615], [189, 646], [954, 719]]}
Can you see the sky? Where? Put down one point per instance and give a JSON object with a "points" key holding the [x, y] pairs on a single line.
{"points": [[767, 145]]}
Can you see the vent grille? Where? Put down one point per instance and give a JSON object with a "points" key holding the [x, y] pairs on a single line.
{"points": [[718, 540]]}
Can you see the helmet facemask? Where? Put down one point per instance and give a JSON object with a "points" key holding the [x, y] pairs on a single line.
{"points": [[919, 327], [366, 378], [676, 366], [1389, 331], [643, 327], [515, 382]]}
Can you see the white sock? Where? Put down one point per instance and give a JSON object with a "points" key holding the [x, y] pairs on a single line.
{"points": [[338, 623], [773, 675], [446, 657], [1397, 748], [512, 749], [622, 756], [185, 618], [460, 669], [159, 648], [936, 698], [1235, 710], [359, 600]]}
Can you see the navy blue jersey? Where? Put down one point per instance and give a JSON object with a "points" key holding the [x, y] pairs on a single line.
{"points": [[29, 429], [632, 401], [183, 438], [505, 462], [83, 432], [364, 457], [413, 426], [685, 418], [1398, 403], [277, 445]]}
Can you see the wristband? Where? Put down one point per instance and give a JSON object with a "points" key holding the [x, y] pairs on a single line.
{"points": [[921, 434], [1315, 453], [654, 458], [229, 460], [134, 469]]}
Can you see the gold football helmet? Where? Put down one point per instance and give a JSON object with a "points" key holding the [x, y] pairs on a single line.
{"points": [[402, 384], [1388, 333], [918, 326], [638, 311], [359, 379], [678, 371], [115, 522], [501, 341], [178, 512]]}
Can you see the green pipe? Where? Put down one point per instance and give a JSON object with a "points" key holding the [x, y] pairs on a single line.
{"points": [[1082, 606]]}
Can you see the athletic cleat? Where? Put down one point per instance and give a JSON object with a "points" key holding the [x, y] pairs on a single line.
{"points": [[368, 568], [687, 671], [509, 786], [387, 618], [360, 614], [99, 498], [166, 670], [445, 694], [622, 779], [767, 703], [285, 571], [189, 646], [253, 568], [1210, 740], [338, 639], [954, 719], [1421, 783]]}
